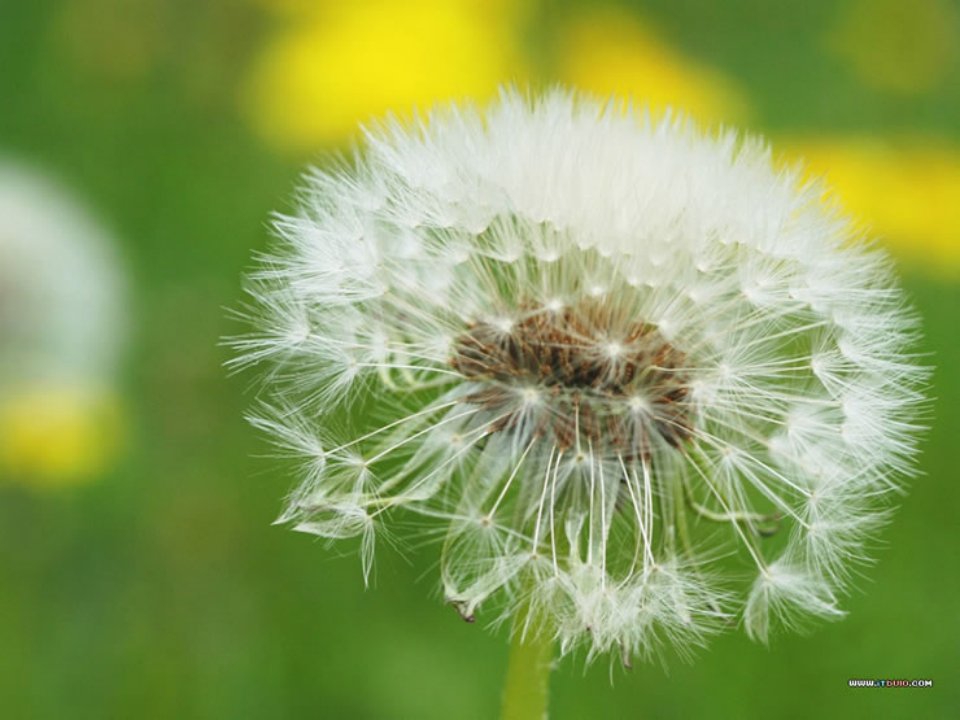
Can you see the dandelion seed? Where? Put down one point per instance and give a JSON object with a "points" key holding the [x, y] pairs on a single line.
{"points": [[600, 351]]}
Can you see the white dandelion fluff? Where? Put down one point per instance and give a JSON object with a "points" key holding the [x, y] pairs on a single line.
{"points": [[61, 286], [644, 381]]}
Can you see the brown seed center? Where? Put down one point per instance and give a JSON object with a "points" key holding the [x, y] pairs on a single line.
{"points": [[612, 381]]}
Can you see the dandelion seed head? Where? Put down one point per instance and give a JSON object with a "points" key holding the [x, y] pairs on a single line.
{"points": [[599, 351]]}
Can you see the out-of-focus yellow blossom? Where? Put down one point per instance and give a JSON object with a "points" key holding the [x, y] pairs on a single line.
{"points": [[340, 64], [54, 436], [613, 53], [905, 48], [906, 192]]}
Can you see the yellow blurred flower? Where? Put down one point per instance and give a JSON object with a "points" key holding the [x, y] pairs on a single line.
{"points": [[907, 192], [905, 48], [337, 64], [53, 436], [613, 53]]}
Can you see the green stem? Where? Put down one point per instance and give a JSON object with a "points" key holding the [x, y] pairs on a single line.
{"points": [[526, 690]]}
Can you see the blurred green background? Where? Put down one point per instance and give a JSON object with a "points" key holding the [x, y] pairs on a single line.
{"points": [[155, 586]]}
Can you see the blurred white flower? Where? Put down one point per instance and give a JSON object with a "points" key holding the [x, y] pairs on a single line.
{"points": [[600, 353], [61, 304]]}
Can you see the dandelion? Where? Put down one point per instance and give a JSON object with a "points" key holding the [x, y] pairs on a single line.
{"points": [[646, 385], [61, 331]]}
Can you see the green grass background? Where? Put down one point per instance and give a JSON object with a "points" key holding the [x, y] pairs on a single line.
{"points": [[162, 591]]}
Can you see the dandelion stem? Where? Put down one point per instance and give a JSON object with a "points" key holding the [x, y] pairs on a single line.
{"points": [[526, 689]]}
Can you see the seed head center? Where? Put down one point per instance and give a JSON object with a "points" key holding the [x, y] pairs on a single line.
{"points": [[582, 373]]}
